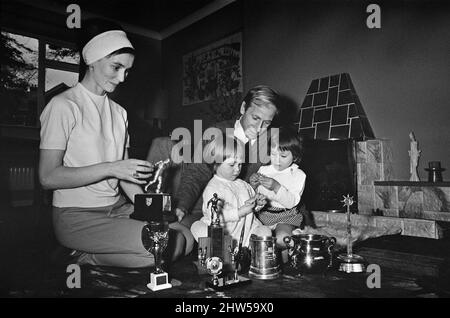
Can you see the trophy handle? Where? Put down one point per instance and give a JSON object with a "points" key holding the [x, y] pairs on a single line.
{"points": [[290, 244], [331, 244]]}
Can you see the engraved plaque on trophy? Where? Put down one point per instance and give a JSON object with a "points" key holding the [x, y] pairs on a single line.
{"points": [[151, 206]]}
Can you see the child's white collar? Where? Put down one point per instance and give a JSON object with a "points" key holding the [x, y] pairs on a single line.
{"points": [[291, 168], [223, 179]]}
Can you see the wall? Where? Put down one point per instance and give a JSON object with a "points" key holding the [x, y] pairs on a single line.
{"points": [[210, 29], [139, 93], [400, 72]]}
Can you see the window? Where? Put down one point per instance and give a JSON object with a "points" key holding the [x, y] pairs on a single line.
{"points": [[33, 68]]}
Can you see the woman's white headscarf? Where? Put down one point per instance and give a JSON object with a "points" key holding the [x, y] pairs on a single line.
{"points": [[104, 44]]}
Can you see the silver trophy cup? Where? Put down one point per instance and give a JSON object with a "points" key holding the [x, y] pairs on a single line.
{"points": [[158, 235]]}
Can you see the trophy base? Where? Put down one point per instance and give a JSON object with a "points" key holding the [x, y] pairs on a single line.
{"points": [[264, 274], [224, 283], [159, 281], [351, 263]]}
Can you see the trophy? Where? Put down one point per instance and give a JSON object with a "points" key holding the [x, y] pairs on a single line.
{"points": [[216, 244], [158, 235], [216, 254], [350, 263], [214, 210], [154, 205], [157, 178]]}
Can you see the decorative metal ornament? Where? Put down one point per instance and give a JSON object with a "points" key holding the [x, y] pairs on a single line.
{"points": [[349, 262]]}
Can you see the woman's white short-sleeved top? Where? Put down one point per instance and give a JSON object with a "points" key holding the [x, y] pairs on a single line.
{"points": [[91, 129]]}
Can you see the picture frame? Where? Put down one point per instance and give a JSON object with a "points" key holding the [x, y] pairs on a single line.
{"points": [[213, 71]]}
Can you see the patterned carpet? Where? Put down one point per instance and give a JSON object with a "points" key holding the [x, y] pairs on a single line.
{"points": [[106, 282], [32, 266], [41, 274], [41, 271]]}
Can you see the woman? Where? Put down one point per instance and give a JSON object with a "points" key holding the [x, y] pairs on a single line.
{"points": [[84, 158]]}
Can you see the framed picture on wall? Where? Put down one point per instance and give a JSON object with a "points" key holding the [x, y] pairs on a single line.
{"points": [[213, 71]]}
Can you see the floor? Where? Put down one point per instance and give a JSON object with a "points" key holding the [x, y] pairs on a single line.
{"points": [[26, 244], [32, 265]]}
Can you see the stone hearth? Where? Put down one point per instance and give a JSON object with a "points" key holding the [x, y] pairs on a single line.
{"points": [[419, 208]]}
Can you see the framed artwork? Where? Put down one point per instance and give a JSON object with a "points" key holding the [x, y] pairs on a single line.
{"points": [[213, 71]]}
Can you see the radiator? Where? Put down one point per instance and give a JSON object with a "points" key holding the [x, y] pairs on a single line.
{"points": [[21, 185]]}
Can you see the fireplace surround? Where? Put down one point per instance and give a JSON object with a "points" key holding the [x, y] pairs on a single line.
{"points": [[330, 167], [342, 156], [332, 121]]}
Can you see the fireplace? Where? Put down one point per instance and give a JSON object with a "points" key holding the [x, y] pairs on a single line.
{"points": [[330, 168], [342, 156], [331, 122]]}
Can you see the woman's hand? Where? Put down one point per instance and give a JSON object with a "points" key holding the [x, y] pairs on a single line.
{"points": [[132, 170], [179, 213], [269, 183]]}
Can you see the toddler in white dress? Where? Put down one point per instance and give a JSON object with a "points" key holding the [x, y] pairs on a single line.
{"points": [[238, 199]]}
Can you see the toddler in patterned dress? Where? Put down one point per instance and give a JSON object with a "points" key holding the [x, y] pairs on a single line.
{"points": [[282, 182]]}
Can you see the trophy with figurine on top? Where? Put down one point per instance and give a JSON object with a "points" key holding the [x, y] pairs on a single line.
{"points": [[216, 254], [154, 205]]}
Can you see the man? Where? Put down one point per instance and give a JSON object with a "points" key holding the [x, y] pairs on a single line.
{"points": [[258, 109]]}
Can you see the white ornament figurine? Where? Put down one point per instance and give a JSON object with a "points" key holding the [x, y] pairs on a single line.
{"points": [[414, 154]]}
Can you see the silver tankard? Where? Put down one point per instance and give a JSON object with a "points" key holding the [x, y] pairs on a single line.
{"points": [[264, 260]]}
